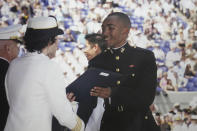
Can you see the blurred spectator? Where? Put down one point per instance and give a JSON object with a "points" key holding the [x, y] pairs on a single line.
{"points": [[165, 126], [68, 37], [189, 72], [24, 15], [170, 86]]}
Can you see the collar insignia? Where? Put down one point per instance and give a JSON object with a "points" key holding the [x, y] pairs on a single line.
{"points": [[122, 50]]}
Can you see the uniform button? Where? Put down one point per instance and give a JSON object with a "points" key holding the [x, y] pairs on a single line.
{"points": [[117, 57], [117, 70], [118, 82], [133, 75], [146, 117]]}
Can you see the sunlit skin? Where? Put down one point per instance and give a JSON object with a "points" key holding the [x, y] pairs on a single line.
{"points": [[14, 50], [9, 49], [71, 97], [91, 50], [114, 31], [116, 35], [51, 49]]}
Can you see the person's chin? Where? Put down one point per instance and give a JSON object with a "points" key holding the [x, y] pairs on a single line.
{"points": [[89, 58], [109, 42]]}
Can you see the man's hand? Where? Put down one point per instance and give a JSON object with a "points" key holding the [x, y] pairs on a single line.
{"points": [[71, 96], [101, 92]]}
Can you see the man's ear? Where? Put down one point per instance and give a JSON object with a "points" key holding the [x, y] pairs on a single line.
{"points": [[97, 48], [125, 30], [93, 46]]}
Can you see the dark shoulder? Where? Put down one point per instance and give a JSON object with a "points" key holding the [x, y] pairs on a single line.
{"points": [[140, 51], [4, 63], [97, 61]]}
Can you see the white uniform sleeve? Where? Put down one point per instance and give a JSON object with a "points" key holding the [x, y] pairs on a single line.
{"points": [[60, 106]]}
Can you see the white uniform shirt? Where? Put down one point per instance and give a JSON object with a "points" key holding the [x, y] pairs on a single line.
{"points": [[35, 90]]}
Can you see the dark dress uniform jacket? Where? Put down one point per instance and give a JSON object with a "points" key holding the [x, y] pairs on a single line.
{"points": [[130, 100], [4, 103]]}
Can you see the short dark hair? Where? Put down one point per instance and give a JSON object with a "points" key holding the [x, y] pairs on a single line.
{"points": [[38, 45], [37, 39], [95, 38], [124, 18]]}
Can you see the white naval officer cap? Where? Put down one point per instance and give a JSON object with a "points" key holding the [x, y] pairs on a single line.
{"points": [[11, 32], [42, 22], [40, 27]]}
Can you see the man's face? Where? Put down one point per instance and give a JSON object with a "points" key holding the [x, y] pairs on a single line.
{"points": [[91, 50], [12, 49], [113, 30]]}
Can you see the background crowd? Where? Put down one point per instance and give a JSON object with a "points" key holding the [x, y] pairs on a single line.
{"points": [[167, 27]]}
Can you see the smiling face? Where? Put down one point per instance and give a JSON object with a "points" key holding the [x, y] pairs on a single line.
{"points": [[115, 31], [91, 50]]}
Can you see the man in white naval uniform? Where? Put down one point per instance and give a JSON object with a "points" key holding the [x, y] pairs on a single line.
{"points": [[9, 50], [35, 85]]}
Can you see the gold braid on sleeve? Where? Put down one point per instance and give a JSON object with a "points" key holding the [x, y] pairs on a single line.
{"points": [[78, 126]]}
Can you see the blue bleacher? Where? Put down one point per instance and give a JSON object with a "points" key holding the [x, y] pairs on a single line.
{"points": [[66, 24], [165, 50], [137, 22], [182, 22], [190, 86], [61, 45], [182, 89], [74, 35], [45, 2], [160, 61], [167, 44], [192, 89], [69, 45], [158, 41], [195, 81], [84, 12], [164, 69], [150, 48]]}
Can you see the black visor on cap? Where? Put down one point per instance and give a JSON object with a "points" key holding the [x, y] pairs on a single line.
{"points": [[60, 31], [37, 34]]}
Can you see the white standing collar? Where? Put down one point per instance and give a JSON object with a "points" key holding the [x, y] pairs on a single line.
{"points": [[4, 59], [120, 46]]}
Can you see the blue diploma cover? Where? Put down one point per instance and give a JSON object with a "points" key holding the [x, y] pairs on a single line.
{"points": [[82, 86]]}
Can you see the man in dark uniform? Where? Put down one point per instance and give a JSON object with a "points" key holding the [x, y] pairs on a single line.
{"points": [[8, 51], [127, 104]]}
